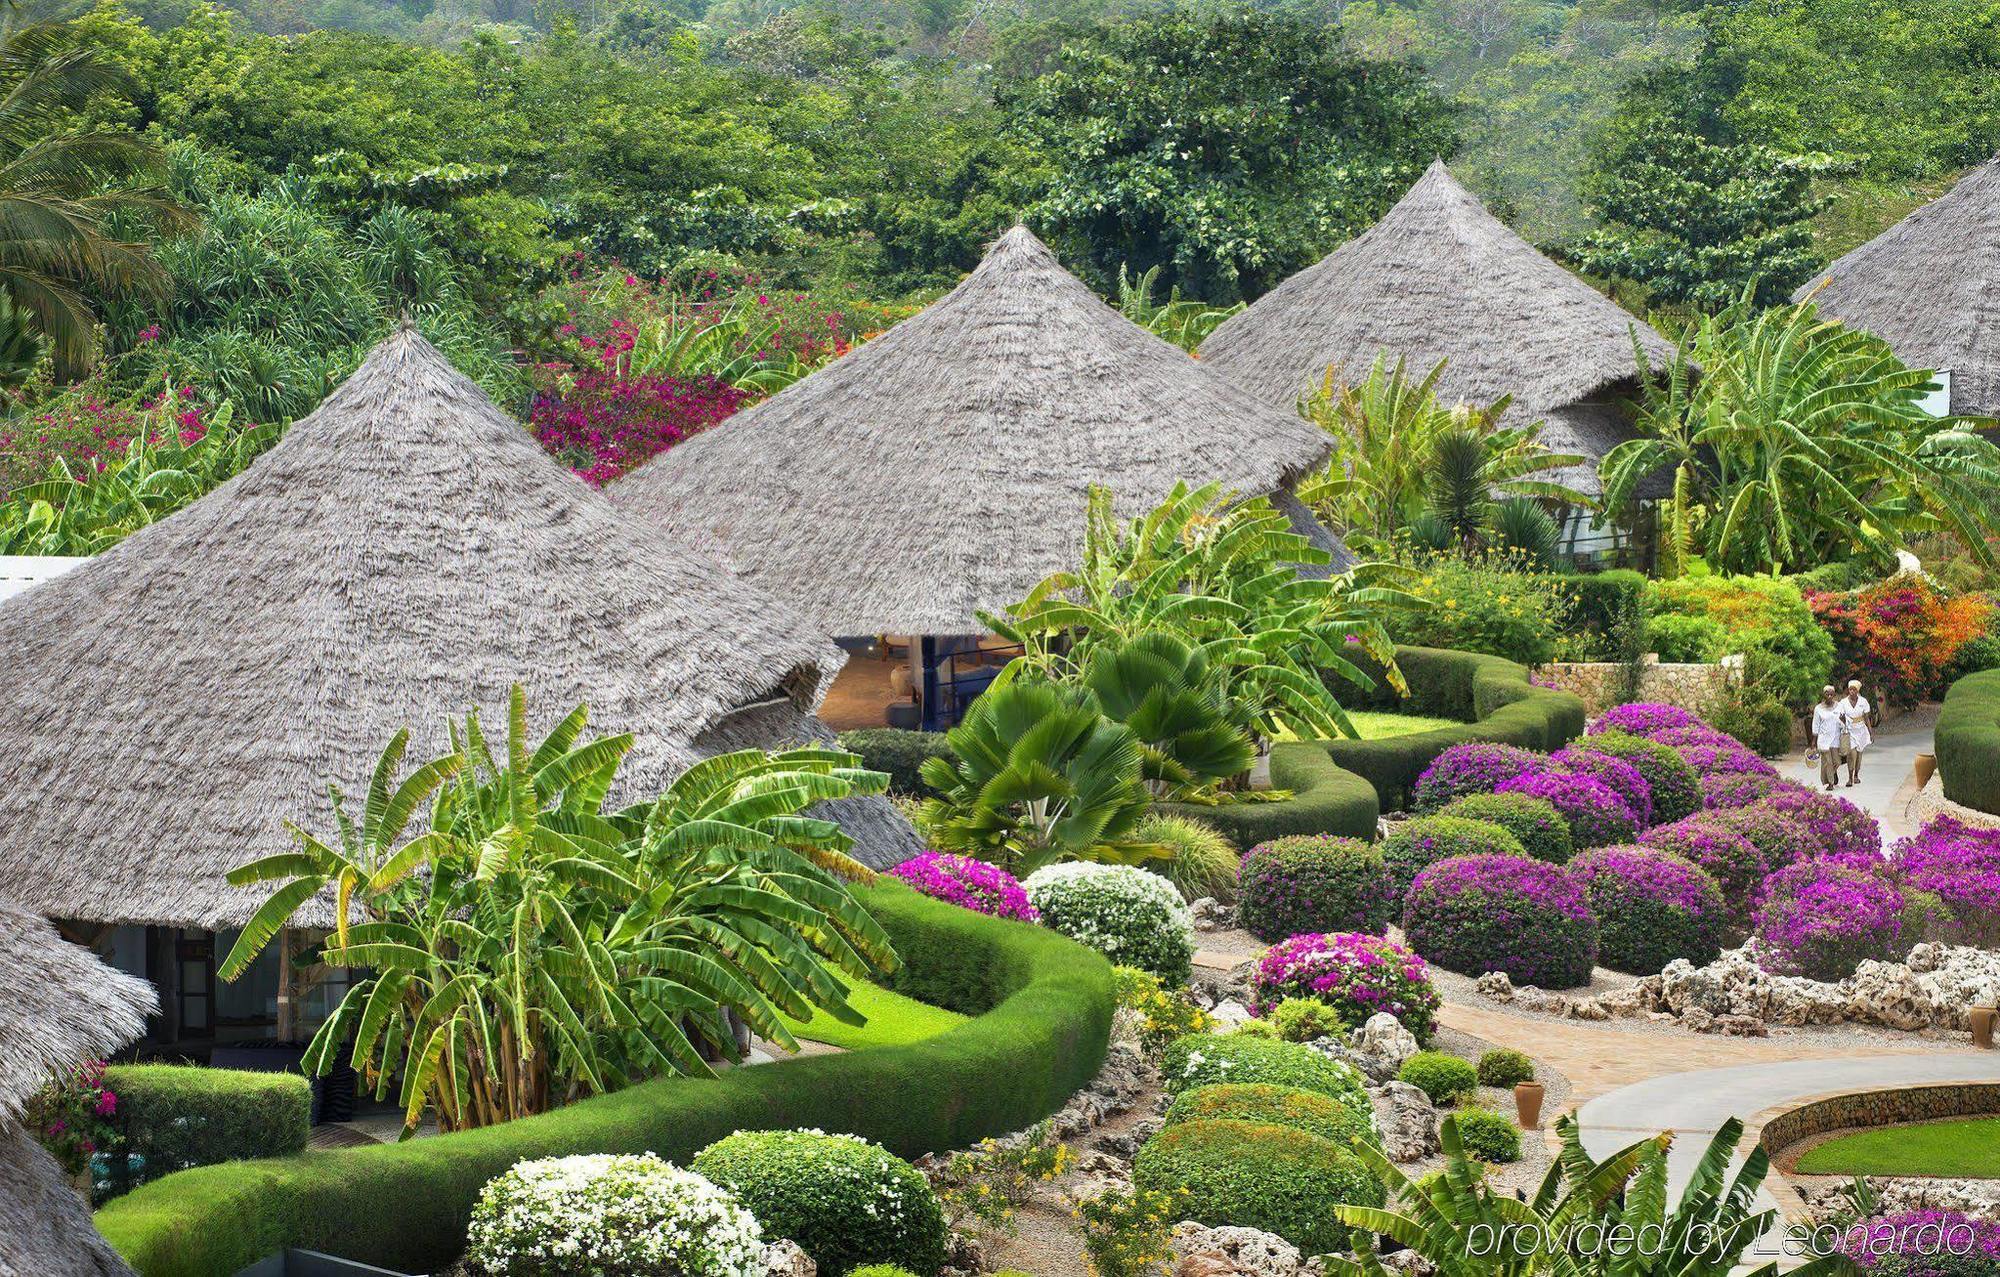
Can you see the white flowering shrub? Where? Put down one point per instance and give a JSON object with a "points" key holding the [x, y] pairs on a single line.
{"points": [[606, 1215], [1134, 918]]}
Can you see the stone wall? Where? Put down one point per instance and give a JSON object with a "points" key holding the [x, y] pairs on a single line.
{"points": [[1879, 1108], [1601, 684]]}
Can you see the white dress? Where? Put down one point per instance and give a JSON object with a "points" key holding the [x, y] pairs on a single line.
{"points": [[1826, 722], [1855, 713]]}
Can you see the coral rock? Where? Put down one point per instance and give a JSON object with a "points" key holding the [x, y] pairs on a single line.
{"points": [[787, 1259], [1410, 1131], [1385, 1039], [1203, 1251]]}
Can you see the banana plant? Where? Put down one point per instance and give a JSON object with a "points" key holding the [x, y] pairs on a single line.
{"points": [[1185, 322]]}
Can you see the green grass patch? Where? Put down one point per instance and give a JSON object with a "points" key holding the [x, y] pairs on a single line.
{"points": [[893, 1019], [1380, 725], [1962, 1148]]}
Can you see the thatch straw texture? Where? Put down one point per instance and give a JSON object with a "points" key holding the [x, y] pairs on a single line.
{"points": [[1930, 287], [59, 1006], [943, 468], [45, 1228], [407, 551], [1439, 277]]}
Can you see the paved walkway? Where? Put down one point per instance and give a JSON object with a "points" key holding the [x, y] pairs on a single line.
{"points": [[1887, 787]]}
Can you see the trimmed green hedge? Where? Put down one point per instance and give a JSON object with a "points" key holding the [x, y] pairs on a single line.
{"points": [[1326, 799], [176, 1117], [1043, 1008], [1968, 742], [900, 753]]}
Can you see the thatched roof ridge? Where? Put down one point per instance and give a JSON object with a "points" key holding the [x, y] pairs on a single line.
{"points": [[943, 468], [407, 551], [1930, 287], [59, 1007], [1439, 277]]}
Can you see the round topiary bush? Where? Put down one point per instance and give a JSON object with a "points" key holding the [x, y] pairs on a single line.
{"points": [[609, 1215], [1413, 846], [879, 1270], [1135, 918], [1780, 840], [1959, 865], [1837, 826], [1730, 858], [1597, 816], [1487, 1135], [1651, 907], [1674, 787], [1645, 719], [1207, 1059], [1307, 1111], [1477, 767], [1257, 1175], [1621, 777], [845, 1201], [1534, 822], [1445, 1078], [1354, 974], [1505, 1069], [1313, 882], [1715, 753], [1726, 791], [1502, 913], [1821, 919], [969, 884]]}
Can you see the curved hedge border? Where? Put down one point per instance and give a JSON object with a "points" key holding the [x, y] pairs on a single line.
{"points": [[1968, 742], [1326, 799], [1043, 1006]]}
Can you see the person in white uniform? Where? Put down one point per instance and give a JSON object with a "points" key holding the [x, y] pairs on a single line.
{"points": [[1855, 711], [1828, 728]]}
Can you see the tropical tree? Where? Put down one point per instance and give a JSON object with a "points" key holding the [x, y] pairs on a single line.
{"points": [[1185, 322], [526, 946], [70, 197], [1805, 442], [1160, 687]]}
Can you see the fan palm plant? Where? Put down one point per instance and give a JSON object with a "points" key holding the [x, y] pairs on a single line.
{"points": [[1160, 687]]}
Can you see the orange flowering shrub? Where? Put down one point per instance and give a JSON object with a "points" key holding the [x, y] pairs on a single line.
{"points": [[1900, 636]]}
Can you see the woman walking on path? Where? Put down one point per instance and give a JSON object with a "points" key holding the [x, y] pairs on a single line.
{"points": [[1854, 713], [1829, 735]]}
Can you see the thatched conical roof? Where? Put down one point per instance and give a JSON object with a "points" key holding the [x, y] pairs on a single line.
{"points": [[1439, 277], [944, 467], [1930, 287], [59, 1007], [407, 551]]}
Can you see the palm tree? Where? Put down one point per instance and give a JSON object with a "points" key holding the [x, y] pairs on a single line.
{"points": [[68, 198]]}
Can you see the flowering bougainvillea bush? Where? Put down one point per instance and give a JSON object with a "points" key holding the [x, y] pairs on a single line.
{"points": [[1925, 1243], [1901, 636], [1644, 718], [75, 1116], [1597, 816], [1313, 882], [1622, 777], [1781, 839], [1838, 826], [1821, 919], [606, 1215], [1960, 865], [1207, 1059], [1651, 907], [968, 883], [844, 1200], [1722, 754], [1478, 767], [1534, 822], [1673, 786], [1477, 914], [1730, 858], [1357, 975], [1134, 918], [601, 422], [1414, 845], [1725, 790]]}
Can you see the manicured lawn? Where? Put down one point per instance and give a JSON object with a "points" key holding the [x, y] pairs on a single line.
{"points": [[893, 1020], [1374, 725], [1963, 1148]]}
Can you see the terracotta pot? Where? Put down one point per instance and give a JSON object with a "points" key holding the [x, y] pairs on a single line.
{"points": [[1982, 1027], [1926, 766], [1528, 1104]]}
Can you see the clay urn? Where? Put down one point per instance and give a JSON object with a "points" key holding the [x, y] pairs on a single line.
{"points": [[1982, 1027], [1528, 1104]]}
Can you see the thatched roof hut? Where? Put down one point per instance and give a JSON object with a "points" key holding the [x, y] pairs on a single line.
{"points": [[1439, 277], [405, 552], [59, 1007], [944, 467], [1930, 287]]}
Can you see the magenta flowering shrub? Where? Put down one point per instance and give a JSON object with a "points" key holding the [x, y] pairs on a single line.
{"points": [[1924, 1243], [1412, 846], [1722, 791], [1652, 907], [1644, 718], [1727, 756], [1838, 826], [968, 883], [1672, 785], [1960, 865], [1477, 767], [87, 431], [1356, 974], [74, 1115], [1732, 859], [601, 423], [1821, 920], [1311, 883], [1530, 919], [1597, 816], [1624, 779], [1781, 840]]}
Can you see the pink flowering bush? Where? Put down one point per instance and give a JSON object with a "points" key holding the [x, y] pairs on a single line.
{"points": [[1623, 778], [1477, 767], [87, 430], [1781, 840], [1527, 918], [73, 1116], [601, 423], [1731, 858], [1721, 791], [1644, 718], [1821, 920], [1597, 816], [1652, 907], [1673, 787], [969, 884], [1959, 865], [1724, 757], [1925, 1243], [1356, 974], [1838, 826], [1313, 883]]}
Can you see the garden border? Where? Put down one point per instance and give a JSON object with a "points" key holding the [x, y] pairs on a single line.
{"points": [[1043, 1006], [1888, 1106], [1967, 740]]}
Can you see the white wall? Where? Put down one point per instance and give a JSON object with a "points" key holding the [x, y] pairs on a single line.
{"points": [[19, 571]]}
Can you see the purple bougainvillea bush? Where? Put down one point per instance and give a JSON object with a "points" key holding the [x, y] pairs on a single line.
{"points": [[1478, 767], [1357, 975], [1645, 718], [1624, 779], [968, 883], [1782, 840], [1959, 865], [1413, 846], [1476, 914], [1821, 919], [1673, 787], [1313, 882], [1651, 907], [1925, 1243], [1597, 816], [1724, 791], [1839, 827], [1733, 860], [1724, 757]]}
